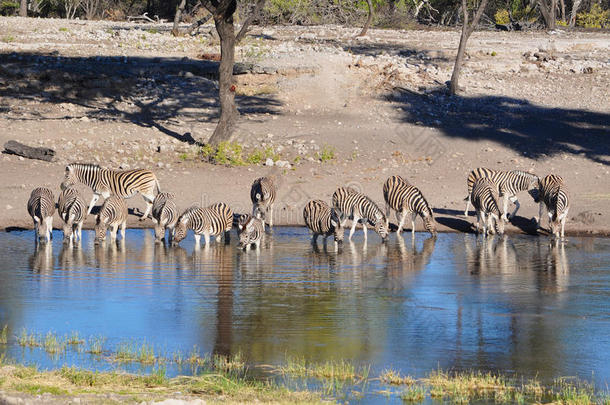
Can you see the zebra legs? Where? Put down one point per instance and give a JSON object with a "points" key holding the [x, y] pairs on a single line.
{"points": [[197, 240], [413, 217], [123, 230], [515, 201], [353, 228], [48, 231], [540, 212], [467, 206], [270, 210], [401, 221], [92, 203], [79, 231], [364, 229]]}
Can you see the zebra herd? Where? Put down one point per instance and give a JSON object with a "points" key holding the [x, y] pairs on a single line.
{"points": [[485, 188]]}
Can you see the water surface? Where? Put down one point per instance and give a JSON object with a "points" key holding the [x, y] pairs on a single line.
{"points": [[517, 304]]}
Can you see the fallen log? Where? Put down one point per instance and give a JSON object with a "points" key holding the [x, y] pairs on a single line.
{"points": [[19, 149]]}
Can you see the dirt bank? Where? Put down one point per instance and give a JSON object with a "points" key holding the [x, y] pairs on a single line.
{"points": [[334, 110]]}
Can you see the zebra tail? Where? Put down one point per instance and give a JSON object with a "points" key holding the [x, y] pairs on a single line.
{"points": [[158, 185]]}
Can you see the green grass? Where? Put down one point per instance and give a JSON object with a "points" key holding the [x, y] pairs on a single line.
{"points": [[96, 345], [37, 389], [54, 344], [8, 39], [74, 339], [4, 335], [392, 377], [331, 369], [413, 393], [326, 154], [152, 31], [28, 339], [63, 29]]}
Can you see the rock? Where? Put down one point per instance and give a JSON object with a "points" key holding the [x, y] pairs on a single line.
{"points": [[269, 162], [9, 207], [283, 164]]}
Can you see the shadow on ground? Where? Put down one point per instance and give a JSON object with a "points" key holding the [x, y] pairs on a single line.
{"points": [[148, 92], [531, 130]]}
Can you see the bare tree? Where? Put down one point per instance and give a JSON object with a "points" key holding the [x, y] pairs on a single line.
{"points": [[575, 7], [91, 8], [223, 11], [369, 19], [177, 17], [466, 32], [23, 8], [71, 7], [547, 9]]}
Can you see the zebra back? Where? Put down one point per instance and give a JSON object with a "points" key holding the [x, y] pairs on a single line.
{"points": [[123, 183], [321, 218], [483, 172], [344, 200], [41, 204], [350, 203], [514, 181], [215, 219], [114, 211], [263, 191], [553, 193], [252, 232], [392, 189], [164, 209], [484, 196], [71, 206]]}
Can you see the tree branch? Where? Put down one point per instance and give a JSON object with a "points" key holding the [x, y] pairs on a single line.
{"points": [[244, 28]]}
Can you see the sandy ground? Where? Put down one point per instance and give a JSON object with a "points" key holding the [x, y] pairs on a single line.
{"points": [[126, 95]]}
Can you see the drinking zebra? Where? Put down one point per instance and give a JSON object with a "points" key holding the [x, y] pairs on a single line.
{"points": [[262, 194], [164, 213], [107, 182], [211, 221], [406, 199], [321, 219], [507, 183], [114, 215], [552, 193], [251, 232], [41, 207], [484, 198], [350, 204], [71, 208]]}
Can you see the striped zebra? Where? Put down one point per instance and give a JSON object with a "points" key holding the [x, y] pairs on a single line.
{"points": [[107, 182], [71, 208], [114, 215], [262, 194], [41, 207], [211, 221], [553, 195], [165, 214], [321, 219], [406, 199], [251, 232], [350, 204], [507, 183], [484, 198]]}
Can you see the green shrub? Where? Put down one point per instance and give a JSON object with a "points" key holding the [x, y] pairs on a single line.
{"points": [[8, 7], [502, 17], [595, 18]]}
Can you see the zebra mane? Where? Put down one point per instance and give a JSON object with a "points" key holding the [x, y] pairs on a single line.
{"points": [[188, 213], [92, 166], [527, 175]]}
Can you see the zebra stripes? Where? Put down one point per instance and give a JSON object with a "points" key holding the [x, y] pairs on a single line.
{"points": [[405, 199], [321, 219], [41, 207], [484, 198], [507, 183], [107, 182], [251, 232], [262, 194], [114, 215], [553, 195], [211, 221], [164, 213], [350, 204], [71, 208]]}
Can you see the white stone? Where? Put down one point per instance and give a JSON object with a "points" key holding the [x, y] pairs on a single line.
{"points": [[269, 162]]}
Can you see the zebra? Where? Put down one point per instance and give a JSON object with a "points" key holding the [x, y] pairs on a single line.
{"points": [[507, 183], [211, 221], [107, 182], [114, 215], [71, 209], [349, 203], [262, 194], [164, 213], [552, 193], [405, 198], [321, 219], [484, 198], [251, 232], [41, 207]]}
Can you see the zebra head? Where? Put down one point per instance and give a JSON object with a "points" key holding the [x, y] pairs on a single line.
{"points": [[337, 229], [180, 230], [381, 226], [498, 224], [68, 227], [248, 234], [101, 225], [430, 224], [70, 177]]}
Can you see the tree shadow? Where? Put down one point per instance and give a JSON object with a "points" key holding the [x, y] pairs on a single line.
{"points": [[146, 91], [529, 129]]}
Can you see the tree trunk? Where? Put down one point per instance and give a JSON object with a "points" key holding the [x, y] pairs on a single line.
{"points": [[228, 111], [466, 32], [548, 13], [563, 10], [575, 7], [23, 8], [178, 16], [369, 19]]}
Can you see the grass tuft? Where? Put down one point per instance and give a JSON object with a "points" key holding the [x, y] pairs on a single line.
{"points": [[393, 377], [4, 335], [326, 154], [414, 393]]}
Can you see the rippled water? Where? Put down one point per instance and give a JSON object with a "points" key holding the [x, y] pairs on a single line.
{"points": [[517, 304]]}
